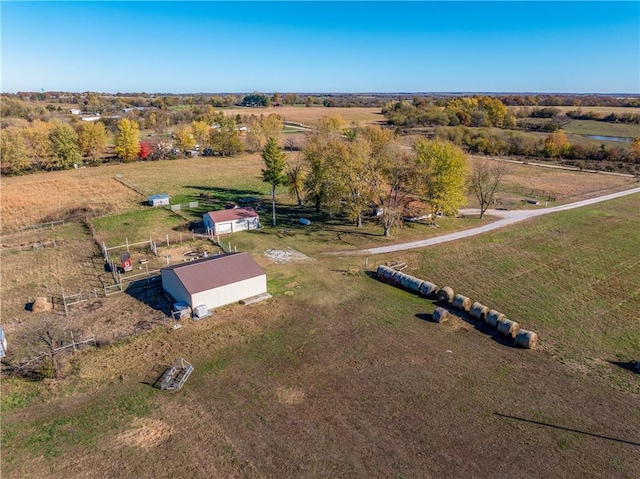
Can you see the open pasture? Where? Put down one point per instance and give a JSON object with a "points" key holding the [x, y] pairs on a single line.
{"points": [[36, 198], [347, 377], [311, 115], [339, 375], [604, 110], [590, 127]]}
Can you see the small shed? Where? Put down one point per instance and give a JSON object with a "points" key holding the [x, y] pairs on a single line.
{"points": [[158, 200], [215, 281], [231, 220]]}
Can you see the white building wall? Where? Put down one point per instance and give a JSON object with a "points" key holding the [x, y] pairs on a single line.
{"points": [[232, 226], [173, 286], [231, 293]]}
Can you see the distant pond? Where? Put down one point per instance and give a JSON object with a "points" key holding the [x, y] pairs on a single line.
{"points": [[609, 138]]}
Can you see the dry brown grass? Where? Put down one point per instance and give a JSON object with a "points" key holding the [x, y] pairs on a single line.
{"points": [[311, 115], [567, 186], [30, 199]]}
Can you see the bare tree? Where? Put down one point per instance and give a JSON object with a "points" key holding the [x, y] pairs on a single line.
{"points": [[486, 176]]}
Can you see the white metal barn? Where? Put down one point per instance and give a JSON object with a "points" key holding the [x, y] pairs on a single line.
{"points": [[230, 221], [158, 200], [215, 281]]}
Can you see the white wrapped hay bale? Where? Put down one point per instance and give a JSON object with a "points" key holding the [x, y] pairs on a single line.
{"points": [[428, 290], [445, 294], [493, 317], [440, 315], [461, 302], [508, 327], [478, 311], [526, 339]]}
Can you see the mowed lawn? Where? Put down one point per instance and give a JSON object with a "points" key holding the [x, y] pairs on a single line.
{"points": [[345, 376]]}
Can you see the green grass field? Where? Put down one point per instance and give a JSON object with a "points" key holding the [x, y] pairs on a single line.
{"points": [[587, 127]]}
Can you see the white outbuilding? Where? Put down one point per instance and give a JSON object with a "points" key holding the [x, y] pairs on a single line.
{"points": [[231, 220], [158, 200], [215, 281]]}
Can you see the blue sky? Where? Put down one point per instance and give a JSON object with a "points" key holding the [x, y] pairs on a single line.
{"points": [[189, 47]]}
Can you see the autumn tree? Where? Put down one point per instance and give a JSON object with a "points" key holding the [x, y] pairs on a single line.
{"points": [[556, 144], [92, 139], [200, 131], [442, 169], [38, 142], [14, 154], [319, 155], [393, 175], [635, 147], [260, 129], [144, 150], [184, 138], [224, 138], [400, 179], [291, 99], [296, 174], [127, 140], [64, 145], [485, 178], [274, 173]]}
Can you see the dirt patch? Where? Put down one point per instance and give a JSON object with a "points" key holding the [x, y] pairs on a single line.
{"points": [[279, 256], [145, 433], [290, 395]]}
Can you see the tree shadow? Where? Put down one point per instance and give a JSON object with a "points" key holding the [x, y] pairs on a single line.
{"points": [[633, 366]]}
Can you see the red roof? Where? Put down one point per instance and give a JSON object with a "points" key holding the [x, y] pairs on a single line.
{"points": [[215, 271], [231, 214]]}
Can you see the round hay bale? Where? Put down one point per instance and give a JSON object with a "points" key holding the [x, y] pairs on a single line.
{"points": [[461, 302], [428, 290], [508, 327], [40, 305], [384, 273], [445, 294], [411, 283], [478, 311], [526, 339], [493, 317], [440, 315]]}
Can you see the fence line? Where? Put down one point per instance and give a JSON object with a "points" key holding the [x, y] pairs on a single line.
{"points": [[135, 188], [183, 206], [49, 224], [34, 246]]}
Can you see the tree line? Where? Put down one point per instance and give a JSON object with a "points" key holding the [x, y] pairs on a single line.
{"points": [[555, 145], [366, 172]]}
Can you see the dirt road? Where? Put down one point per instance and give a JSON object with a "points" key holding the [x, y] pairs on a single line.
{"points": [[508, 218]]}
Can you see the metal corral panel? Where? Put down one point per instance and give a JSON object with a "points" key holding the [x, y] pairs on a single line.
{"points": [[174, 287], [231, 293]]}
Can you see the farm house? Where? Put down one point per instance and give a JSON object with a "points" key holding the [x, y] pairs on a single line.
{"points": [[215, 281], [158, 200], [230, 221]]}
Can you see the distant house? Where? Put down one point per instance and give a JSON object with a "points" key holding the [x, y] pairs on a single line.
{"points": [[230, 221], [90, 118], [75, 111], [158, 200], [215, 281]]}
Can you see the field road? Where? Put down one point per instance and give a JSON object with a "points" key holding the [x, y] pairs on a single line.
{"points": [[508, 218]]}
